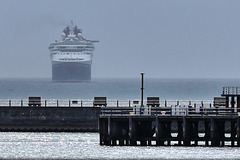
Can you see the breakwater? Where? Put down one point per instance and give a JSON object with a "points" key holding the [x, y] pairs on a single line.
{"points": [[44, 115], [49, 119]]}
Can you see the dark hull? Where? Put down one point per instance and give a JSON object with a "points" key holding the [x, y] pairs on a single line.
{"points": [[71, 72]]}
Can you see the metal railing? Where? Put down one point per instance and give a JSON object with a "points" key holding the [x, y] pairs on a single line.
{"points": [[169, 111], [46, 103], [89, 103], [231, 90], [130, 107]]}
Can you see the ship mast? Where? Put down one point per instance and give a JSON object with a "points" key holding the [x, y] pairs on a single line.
{"points": [[71, 28]]}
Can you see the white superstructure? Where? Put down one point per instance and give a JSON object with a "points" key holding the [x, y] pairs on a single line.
{"points": [[71, 56]]}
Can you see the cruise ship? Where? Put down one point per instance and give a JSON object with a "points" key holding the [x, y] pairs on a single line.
{"points": [[71, 56]]}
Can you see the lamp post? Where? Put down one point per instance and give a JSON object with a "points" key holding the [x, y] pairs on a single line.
{"points": [[142, 90]]}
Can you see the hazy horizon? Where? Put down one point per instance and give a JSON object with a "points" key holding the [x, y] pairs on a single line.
{"points": [[165, 39]]}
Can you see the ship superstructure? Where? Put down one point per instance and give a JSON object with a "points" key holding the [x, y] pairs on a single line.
{"points": [[71, 56]]}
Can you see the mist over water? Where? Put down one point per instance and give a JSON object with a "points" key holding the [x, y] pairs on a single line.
{"points": [[162, 38]]}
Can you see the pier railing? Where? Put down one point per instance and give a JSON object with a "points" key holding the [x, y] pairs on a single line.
{"points": [[169, 111], [130, 107], [109, 103], [231, 91]]}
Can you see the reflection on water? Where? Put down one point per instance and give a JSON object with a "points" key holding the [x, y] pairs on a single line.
{"points": [[86, 146]]}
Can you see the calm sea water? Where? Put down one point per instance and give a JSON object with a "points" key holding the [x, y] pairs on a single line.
{"points": [[27, 145], [85, 146], [122, 89]]}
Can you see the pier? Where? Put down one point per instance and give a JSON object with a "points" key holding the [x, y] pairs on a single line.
{"points": [[36, 114], [214, 124]]}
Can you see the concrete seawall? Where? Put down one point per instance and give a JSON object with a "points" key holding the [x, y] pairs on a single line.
{"points": [[49, 119]]}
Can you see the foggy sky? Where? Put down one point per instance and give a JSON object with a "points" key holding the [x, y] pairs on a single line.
{"points": [[163, 38]]}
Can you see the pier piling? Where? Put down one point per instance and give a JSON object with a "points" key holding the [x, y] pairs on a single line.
{"points": [[169, 130]]}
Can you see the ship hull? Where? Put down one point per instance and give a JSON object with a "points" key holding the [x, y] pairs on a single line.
{"points": [[71, 71]]}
